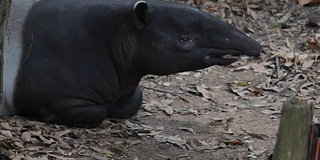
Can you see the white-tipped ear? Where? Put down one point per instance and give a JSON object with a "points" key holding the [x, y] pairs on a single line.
{"points": [[140, 14]]}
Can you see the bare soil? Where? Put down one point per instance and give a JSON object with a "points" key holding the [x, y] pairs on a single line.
{"points": [[218, 113]]}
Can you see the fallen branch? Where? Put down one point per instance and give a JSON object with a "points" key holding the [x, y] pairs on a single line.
{"points": [[163, 91]]}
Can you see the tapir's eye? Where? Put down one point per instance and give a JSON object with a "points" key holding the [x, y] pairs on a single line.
{"points": [[185, 39]]}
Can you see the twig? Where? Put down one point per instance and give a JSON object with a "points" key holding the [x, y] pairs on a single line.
{"points": [[163, 91], [277, 66], [162, 156]]}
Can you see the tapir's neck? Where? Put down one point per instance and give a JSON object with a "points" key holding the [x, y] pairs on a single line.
{"points": [[111, 30]]}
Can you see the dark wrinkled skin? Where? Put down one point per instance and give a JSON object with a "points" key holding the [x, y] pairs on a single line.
{"points": [[84, 63]]}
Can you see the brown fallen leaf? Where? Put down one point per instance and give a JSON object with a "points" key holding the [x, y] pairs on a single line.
{"points": [[240, 83], [239, 158], [256, 90], [201, 145], [172, 139], [308, 63], [46, 141], [205, 93], [256, 135], [241, 68], [235, 142], [305, 2], [253, 14], [213, 8], [260, 68], [6, 125], [314, 43]]}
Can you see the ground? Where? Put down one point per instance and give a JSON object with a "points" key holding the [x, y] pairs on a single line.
{"points": [[218, 113]]}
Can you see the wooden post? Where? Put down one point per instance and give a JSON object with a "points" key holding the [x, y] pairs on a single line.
{"points": [[294, 130], [4, 14]]}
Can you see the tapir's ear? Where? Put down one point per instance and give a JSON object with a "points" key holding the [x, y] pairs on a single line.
{"points": [[140, 14]]}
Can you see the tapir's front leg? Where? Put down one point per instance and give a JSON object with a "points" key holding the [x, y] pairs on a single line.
{"points": [[126, 106], [82, 113], [74, 112]]}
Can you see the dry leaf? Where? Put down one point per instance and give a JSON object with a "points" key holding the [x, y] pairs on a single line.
{"points": [[260, 68], [252, 13], [305, 2], [171, 139], [308, 63], [289, 44], [103, 151], [259, 136], [240, 83], [235, 142], [61, 133], [26, 136], [184, 73], [248, 29], [187, 129], [256, 90], [205, 93], [285, 55], [246, 67], [222, 120], [317, 101], [197, 75], [214, 8], [224, 5], [167, 84], [314, 42], [285, 18], [168, 110], [6, 133], [45, 140], [259, 103], [137, 127], [166, 102], [6, 125], [270, 112], [256, 153], [201, 145]]}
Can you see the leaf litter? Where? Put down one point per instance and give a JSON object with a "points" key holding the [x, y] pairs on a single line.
{"points": [[201, 113]]}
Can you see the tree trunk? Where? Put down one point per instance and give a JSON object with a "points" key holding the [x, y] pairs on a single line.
{"points": [[293, 136], [4, 14]]}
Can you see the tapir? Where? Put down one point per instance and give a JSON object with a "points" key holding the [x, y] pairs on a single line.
{"points": [[77, 62]]}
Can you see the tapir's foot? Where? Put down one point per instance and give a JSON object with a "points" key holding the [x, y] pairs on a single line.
{"points": [[127, 106], [84, 116]]}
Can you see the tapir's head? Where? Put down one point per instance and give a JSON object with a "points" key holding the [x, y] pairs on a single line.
{"points": [[177, 37]]}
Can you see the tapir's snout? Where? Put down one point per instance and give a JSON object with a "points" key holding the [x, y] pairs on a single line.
{"points": [[244, 44], [229, 45]]}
